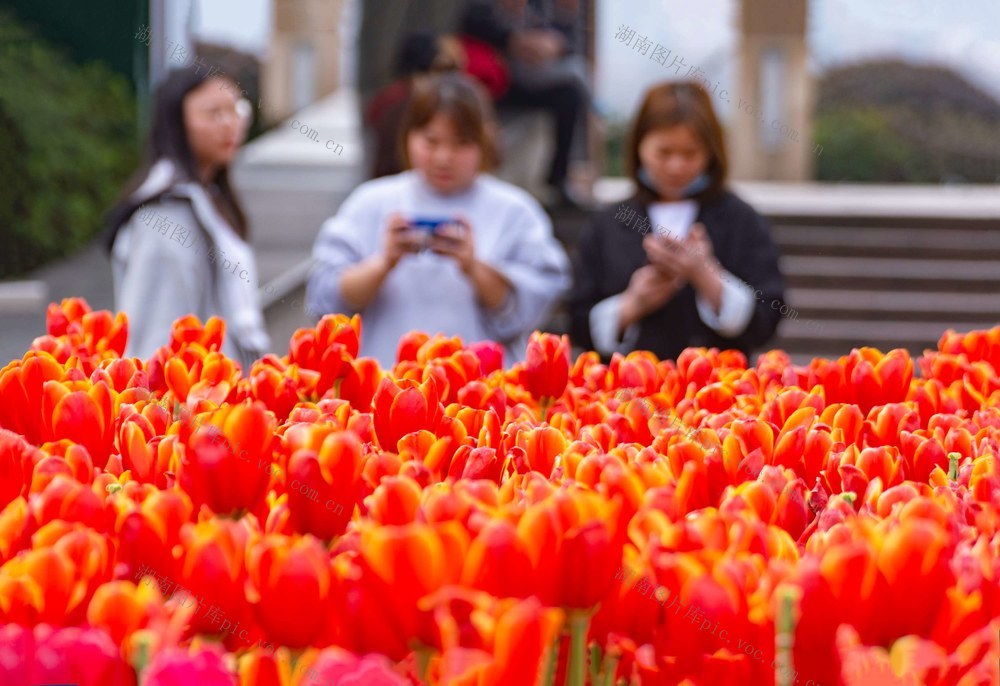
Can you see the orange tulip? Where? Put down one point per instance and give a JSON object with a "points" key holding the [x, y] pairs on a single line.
{"points": [[226, 464], [67, 499], [210, 577], [511, 639], [291, 578], [147, 533], [23, 385], [17, 463], [309, 347], [52, 584], [74, 331], [975, 345], [122, 607], [274, 386], [396, 500], [323, 487], [498, 562], [400, 565], [542, 447]]}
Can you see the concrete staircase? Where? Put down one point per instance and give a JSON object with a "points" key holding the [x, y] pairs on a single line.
{"points": [[888, 282]]}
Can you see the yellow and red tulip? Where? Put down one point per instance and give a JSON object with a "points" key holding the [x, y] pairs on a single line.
{"points": [[441, 520]]}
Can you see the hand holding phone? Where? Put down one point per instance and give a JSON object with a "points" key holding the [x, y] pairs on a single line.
{"points": [[453, 238], [430, 224], [432, 228]]}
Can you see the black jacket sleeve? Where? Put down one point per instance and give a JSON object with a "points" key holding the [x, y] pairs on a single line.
{"points": [[752, 256]]}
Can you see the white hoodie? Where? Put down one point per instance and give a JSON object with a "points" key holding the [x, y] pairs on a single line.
{"points": [[178, 255]]}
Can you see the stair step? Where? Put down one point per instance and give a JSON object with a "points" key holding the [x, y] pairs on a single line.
{"points": [[980, 223], [892, 273], [840, 335], [813, 303], [880, 242]]}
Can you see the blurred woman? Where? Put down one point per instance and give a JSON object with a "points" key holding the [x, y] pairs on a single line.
{"points": [[443, 247], [178, 238], [684, 261]]}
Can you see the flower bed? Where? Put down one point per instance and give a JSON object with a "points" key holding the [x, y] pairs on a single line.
{"points": [[319, 520]]}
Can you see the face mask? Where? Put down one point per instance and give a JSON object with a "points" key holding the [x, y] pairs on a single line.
{"points": [[696, 186], [699, 184]]}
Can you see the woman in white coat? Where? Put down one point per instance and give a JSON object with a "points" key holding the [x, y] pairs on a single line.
{"points": [[178, 238]]}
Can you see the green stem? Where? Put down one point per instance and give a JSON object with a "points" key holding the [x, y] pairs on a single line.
{"points": [[550, 663], [595, 662], [953, 459], [546, 404], [423, 663], [577, 673], [140, 658], [785, 638], [609, 669]]}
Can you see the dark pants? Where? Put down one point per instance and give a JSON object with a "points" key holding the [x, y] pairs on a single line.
{"points": [[565, 102]]}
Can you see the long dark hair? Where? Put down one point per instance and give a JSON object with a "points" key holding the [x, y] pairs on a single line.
{"points": [[168, 139]]}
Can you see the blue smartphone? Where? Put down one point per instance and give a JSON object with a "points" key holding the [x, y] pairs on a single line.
{"points": [[428, 224]]}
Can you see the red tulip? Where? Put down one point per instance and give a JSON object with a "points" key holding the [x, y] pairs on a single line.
{"points": [[490, 354], [546, 367], [46, 655], [403, 409], [337, 666], [179, 667]]}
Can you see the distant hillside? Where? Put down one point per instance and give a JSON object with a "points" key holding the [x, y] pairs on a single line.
{"points": [[893, 121]]}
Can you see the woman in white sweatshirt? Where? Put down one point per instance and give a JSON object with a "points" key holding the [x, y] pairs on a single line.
{"points": [[178, 238], [443, 247]]}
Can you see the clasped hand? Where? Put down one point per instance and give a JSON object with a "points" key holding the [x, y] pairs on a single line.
{"points": [[687, 260], [671, 265], [451, 240]]}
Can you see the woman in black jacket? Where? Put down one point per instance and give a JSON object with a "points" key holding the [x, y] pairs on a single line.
{"points": [[683, 262]]}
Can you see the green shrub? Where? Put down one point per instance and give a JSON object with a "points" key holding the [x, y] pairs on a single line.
{"points": [[890, 121], [860, 145], [67, 136]]}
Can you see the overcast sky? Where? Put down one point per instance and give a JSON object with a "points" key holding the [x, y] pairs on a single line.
{"points": [[964, 35]]}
